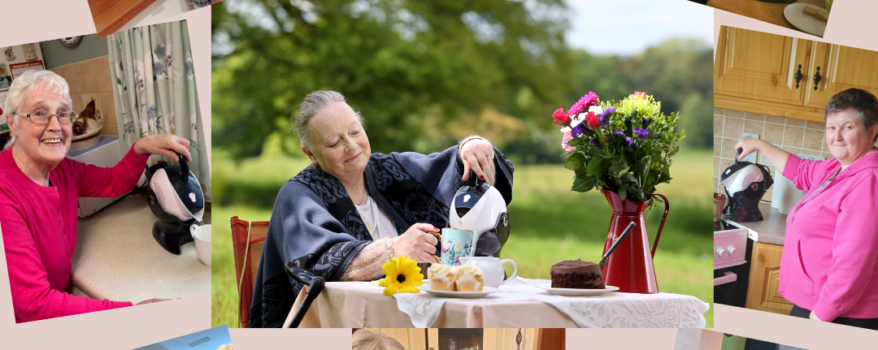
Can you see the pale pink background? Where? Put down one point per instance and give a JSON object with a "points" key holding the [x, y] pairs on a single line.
{"points": [[851, 23]]}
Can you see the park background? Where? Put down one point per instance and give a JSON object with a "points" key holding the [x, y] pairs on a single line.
{"points": [[427, 73]]}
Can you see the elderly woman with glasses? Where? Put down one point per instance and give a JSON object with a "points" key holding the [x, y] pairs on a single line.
{"points": [[39, 188]]}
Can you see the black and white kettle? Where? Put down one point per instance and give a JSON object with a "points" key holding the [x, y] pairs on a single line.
{"points": [[480, 207]]}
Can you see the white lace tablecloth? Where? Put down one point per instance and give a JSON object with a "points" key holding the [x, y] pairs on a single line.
{"points": [[521, 305]]}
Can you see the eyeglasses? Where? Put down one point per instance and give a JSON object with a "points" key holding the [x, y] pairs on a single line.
{"points": [[43, 117]]}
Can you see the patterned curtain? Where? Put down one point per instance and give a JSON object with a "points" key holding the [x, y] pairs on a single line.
{"points": [[155, 89]]}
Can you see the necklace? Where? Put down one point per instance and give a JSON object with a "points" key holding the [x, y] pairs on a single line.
{"points": [[372, 227]]}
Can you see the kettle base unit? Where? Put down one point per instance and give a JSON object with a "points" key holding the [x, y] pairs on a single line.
{"points": [[176, 199]]}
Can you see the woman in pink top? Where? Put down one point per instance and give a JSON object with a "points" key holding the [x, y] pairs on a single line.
{"points": [[39, 188], [828, 268]]}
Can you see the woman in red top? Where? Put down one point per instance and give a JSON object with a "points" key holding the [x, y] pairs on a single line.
{"points": [[39, 188]]}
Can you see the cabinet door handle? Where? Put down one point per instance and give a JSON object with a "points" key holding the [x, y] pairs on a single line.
{"points": [[798, 76], [817, 78]]}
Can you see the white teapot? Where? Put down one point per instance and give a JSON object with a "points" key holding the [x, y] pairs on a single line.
{"points": [[491, 267]]}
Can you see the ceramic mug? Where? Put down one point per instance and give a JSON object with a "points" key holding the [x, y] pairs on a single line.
{"points": [[457, 244], [492, 268], [719, 201], [201, 236]]}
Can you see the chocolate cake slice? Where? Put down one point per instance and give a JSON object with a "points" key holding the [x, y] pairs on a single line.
{"points": [[577, 274]]}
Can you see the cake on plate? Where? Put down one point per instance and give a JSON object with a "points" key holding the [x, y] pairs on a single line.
{"points": [[577, 274], [469, 279], [441, 277]]}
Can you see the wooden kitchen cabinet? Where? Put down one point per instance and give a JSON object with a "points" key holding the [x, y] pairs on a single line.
{"points": [[410, 338], [477, 338], [764, 279], [755, 72]]}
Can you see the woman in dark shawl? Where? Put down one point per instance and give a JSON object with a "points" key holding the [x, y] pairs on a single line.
{"points": [[351, 210]]}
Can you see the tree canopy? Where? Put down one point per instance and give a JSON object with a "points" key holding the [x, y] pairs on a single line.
{"points": [[425, 73]]}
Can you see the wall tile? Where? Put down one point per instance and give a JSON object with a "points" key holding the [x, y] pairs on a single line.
{"points": [[735, 114], [718, 111], [716, 169], [728, 148], [773, 134], [774, 119], [792, 136], [792, 150], [110, 129], [754, 127], [795, 122], [717, 146], [87, 77], [754, 116], [718, 124], [733, 127], [102, 73], [815, 125], [814, 140], [811, 153], [78, 106]]}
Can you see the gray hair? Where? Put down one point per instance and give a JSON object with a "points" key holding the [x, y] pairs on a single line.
{"points": [[365, 339], [24, 86], [861, 102], [309, 107]]}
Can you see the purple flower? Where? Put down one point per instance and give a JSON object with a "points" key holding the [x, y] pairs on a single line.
{"points": [[645, 122], [630, 141], [578, 130], [606, 115], [619, 133], [641, 132], [594, 141]]}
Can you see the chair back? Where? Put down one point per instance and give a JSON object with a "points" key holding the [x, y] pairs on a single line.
{"points": [[247, 240]]}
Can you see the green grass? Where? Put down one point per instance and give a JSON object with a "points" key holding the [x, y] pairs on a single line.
{"points": [[550, 223]]}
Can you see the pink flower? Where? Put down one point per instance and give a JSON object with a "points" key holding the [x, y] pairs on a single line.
{"points": [[593, 120], [561, 118], [586, 101], [639, 94], [567, 137]]}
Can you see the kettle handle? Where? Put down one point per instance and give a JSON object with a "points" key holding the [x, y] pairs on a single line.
{"points": [[662, 225], [738, 154], [184, 168]]}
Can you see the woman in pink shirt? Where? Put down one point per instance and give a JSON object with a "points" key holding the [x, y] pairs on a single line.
{"points": [[39, 188], [828, 267]]}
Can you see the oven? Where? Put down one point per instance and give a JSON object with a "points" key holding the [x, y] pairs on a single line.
{"points": [[731, 264]]}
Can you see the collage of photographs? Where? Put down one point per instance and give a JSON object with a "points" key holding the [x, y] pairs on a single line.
{"points": [[122, 123]]}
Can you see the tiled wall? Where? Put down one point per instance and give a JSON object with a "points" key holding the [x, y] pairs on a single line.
{"points": [[792, 135], [91, 80]]}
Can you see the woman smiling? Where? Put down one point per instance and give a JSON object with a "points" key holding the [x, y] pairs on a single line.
{"points": [[828, 267]]}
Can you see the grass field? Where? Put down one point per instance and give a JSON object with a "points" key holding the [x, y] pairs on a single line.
{"points": [[549, 222]]}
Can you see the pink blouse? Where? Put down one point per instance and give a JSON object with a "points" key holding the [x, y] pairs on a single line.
{"points": [[39, 224]]}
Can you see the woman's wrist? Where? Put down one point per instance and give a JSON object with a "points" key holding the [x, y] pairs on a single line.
{"points": [[468, 139]]}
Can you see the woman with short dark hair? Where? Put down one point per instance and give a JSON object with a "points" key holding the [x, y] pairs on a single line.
{"points": [[828, 267]]}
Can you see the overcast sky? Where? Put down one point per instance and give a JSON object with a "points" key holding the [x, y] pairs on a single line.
{"points": [[625, 27]]}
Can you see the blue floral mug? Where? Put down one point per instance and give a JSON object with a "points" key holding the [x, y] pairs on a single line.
{"points": [[457, 244]]}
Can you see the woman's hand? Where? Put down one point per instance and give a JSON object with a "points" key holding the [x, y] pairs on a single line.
{"points": [[417, 244], [748, 145], [163, 145], [151, 301], [477, 154]]}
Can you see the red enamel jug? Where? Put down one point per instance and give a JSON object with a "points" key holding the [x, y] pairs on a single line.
{"points": [[630, 266]]}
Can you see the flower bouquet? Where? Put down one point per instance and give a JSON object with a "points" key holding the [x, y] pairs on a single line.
{"points": [[623, 147]]}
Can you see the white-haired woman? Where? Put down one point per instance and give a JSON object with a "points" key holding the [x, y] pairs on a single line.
{"points": [[365, 339], [352, 209], [39, 188]]}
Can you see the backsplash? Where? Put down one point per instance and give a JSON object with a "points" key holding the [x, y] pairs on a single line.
{"points": [[89, 80], [792, 135]]}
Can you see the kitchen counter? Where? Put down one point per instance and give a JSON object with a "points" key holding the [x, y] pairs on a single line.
{"points": [[771, 230], [763, 11], [118, 259]]}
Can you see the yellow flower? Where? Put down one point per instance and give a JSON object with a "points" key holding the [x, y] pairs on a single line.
{"points": [[403, 275]]}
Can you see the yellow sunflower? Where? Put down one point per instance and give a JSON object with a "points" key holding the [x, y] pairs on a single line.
{"points": [[403, 275]]}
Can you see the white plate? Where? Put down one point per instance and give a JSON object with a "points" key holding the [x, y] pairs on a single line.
{"points": [[794, 13], [573, 292], [465, 295]]}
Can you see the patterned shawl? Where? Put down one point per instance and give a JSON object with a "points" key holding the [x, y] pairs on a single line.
{"points": [[316, 225]]}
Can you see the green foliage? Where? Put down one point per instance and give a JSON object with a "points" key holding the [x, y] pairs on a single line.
{"points": [[395, 61], [415, 68]]}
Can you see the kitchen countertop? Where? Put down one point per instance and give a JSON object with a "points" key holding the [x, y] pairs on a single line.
{"points": [[763, 11], [117, 258], [771, 230]]}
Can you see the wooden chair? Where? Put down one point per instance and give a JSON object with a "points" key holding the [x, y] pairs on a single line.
{"points": [[247, 240]]}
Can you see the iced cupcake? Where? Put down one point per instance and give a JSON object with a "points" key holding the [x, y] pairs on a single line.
{"points": [[441, 277], [469, 279]]}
